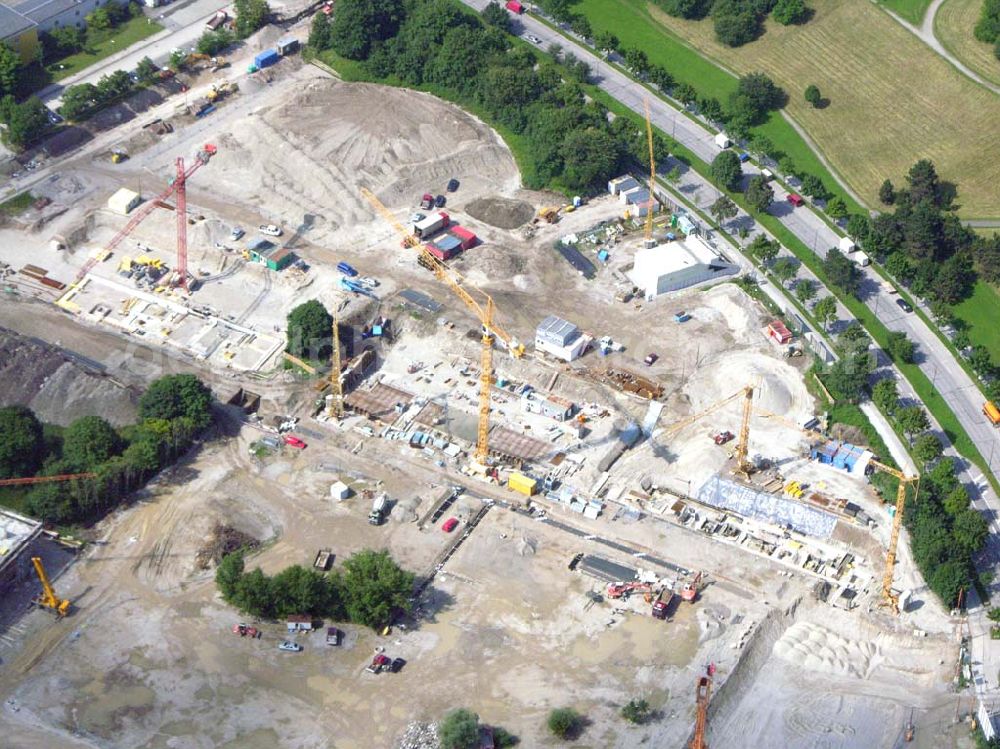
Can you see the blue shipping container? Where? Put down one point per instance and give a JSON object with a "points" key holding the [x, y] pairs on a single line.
{"points": [[265, 58]]}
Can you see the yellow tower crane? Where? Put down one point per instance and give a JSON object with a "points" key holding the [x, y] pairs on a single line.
{"points": [[742, 467], [336, 407], [483, 310], [652, 178], [48, 599]]}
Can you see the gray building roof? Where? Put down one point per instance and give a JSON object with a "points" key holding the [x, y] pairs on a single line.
{"points": [[12, 23], [40, 11], [557, 331]]}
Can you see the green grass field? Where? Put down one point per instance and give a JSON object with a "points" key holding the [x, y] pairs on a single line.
{"points": [[893, 100], [631, 22], [953, 26], [101, 44], [18, 204], [910, 10], [979, 312]]}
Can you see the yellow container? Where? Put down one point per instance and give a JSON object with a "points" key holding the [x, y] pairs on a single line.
{"points": [[521, 483]]}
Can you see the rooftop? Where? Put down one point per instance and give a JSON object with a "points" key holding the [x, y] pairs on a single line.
{"points": [[556, 327], [12, 23], [40, 11], [16, 531], [674, 256]]}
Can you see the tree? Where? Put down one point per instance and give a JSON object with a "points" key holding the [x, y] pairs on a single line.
{"points": [[887, 193], [787, 166], [146, 69], [813, 96], [847, 376], [736, 23], [691, 9], [374, 587], [956, 501], [927, 448], [10, 65], [21, 444], [252, 15], [912, 420], [685, 93], [661, 77], [590, 157], [987, 28], [805, 290], [459, 730], [784, 269], [636, 61], [970, 530], [841, 272], [494, 15], [606, 41], [175, 62], [859, 226], [674, 175], [99, 19], [760, 92], [836, 208], [358, 24], [228, 575], [212, 42], [813, 186], [310, 330], [787, 12], [980, 360], [885, 395], [900, 348], [26, 122], [636, 711], [759, 194], [825, 310], [177, 396], [581, 26], [726, 170], [564, 722], [764, 248], [955, 279], [924, 183], [88, 441], [711, 109], [723, 209]]}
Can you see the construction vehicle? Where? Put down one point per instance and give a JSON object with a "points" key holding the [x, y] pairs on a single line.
{"points": [[691, 587], [427, 201], [622, 590], [118, 155], [661, 606], [702, 694], [377, 515], [549, 215], [245, 630], [722, 438], [484, 311], [48, 599]]}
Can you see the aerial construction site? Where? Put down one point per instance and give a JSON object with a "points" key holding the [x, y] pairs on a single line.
{"points": [[607, 464]]}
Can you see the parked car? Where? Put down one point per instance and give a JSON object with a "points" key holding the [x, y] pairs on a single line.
{"points": [[795, 199], [533, 39], [346, 269], [368, 282], [295, 442], [449, 525], [236, 233], [650, 359], [452, 184], [440, 200], [723, 437], [379, 663], [290, 647], [54, 118], [270, 229], [904, 305], [397, 665], [416, 217], [333, 636]]}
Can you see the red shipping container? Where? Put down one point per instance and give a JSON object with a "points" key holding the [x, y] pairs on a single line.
{"points": [[466, 237]]}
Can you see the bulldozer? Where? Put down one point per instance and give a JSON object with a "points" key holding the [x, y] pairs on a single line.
{"points": [[118, 155], [48, 599]]}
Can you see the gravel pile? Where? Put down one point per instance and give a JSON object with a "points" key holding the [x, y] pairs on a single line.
{"points": [[420, 736]]}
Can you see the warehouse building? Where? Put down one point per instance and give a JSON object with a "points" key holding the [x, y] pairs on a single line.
{"points": [[677, 265], [560, 338]]}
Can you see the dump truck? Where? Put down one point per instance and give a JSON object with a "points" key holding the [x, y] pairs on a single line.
{"points": [[377, 515], [661, 606]]}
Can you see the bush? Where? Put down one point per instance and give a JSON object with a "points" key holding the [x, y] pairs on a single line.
{"points": [[564, 722], [374, 588], [22, 446], [90, 441], [212, 43], [727, 172], [310, 331], [176, 396], [636, 711], [787, 12], [459, 730]]}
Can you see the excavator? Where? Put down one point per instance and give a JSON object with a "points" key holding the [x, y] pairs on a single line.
{"points": [[48, 599]]}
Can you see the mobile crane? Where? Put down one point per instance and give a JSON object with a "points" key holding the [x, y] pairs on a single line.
{"points": [[48, 599]]}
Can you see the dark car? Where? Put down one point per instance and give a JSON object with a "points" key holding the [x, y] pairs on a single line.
{"points": [[440, 200], [452, 184], [397, 665], [904, 305]]}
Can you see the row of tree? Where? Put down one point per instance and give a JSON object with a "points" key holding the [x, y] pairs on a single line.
{"points": [[738, 22], [174, 410], [371, 590], [987, 28], [433, 43]]}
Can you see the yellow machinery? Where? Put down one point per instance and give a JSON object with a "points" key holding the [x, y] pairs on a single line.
{"points": [[48, 599], [652, 178], [336, 408], [742, 467], [299, 363], [889, 599], [483, 311]]}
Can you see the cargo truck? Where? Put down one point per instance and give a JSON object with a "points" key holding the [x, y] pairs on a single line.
{"points": [[433, 223], [377, 515]]}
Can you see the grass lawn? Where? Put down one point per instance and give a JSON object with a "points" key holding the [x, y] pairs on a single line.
{"points": [[910, 10], [953, 26], [979, 312], [18, 204], [893, 100], [101, 44], [631, 22]]}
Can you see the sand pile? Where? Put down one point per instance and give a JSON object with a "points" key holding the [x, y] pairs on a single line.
{"points": [[729, 303], [312, 153], [816, 648]]}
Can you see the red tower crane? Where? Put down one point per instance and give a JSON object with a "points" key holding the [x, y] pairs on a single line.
{"points": [[704, 691], [177, 185], [46, 479]]}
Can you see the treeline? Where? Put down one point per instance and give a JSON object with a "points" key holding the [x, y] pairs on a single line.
{"points": [[437, 45], [738, 22], [371, 590], [173, 411], [987, 28]]}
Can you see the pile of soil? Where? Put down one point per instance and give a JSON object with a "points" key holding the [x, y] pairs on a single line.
{"points": [[502, 213]]}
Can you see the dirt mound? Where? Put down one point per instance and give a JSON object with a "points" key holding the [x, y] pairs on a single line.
{"points": [[502, 213], [223, 540], [311, 154], [58, 387]]}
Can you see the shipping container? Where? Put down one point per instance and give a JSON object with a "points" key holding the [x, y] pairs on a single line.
{"points": [[521, 483], [438, 252], [265, 58], [432, 224], [286, 46], [466, 237], [447, 245]]}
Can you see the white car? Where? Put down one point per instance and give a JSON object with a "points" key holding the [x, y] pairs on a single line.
{"points": [[290, 647], [415, 217], [236, 233], [533, 39], [368, 282], [270, 230]]}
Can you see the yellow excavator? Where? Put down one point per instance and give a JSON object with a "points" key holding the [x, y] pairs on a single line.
{"points": [[48, 599]]}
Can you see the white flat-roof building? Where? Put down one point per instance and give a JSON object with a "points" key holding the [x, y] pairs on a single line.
{"points": [[677, 265], [560, 338], [16, 534], [123, 201]]}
